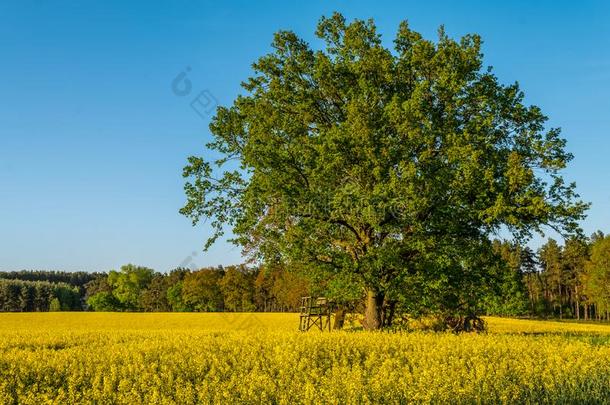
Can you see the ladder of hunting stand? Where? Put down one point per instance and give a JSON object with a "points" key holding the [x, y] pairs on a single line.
{"points": [[315, 312]]}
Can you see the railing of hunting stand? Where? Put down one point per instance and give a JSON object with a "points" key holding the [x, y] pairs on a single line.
{"points": [[315, 312]]}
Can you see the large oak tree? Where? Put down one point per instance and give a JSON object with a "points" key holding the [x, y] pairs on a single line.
{"points": [[391, 165]]}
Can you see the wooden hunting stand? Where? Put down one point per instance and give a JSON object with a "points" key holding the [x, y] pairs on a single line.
{"points": [[315, 312]]}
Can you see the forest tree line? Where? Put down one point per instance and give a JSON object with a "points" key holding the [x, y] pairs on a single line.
{"points": [[564, 281], [138, 288], [232, 288], [27, 290], [569, 280], [35, 296]]}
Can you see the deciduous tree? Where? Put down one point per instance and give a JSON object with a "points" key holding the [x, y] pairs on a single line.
{"points": [[388, 164], [128, 283], [201, 291]]}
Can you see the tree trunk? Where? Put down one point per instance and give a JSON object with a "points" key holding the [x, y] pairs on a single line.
{"points": [[373, 318], [576, 303], [339, 318], [586, 312], [560, 303], [388, 315]]}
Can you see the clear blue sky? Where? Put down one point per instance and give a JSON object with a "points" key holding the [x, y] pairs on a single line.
{"points": [[93, 140]]}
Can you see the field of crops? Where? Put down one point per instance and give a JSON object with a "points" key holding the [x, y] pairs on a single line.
{"points": [[252, 358]]}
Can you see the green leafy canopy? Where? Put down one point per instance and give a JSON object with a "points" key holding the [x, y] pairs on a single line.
{"points": [[378, 162]]}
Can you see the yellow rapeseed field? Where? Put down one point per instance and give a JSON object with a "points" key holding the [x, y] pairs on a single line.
{"points": [[103, 358]]}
